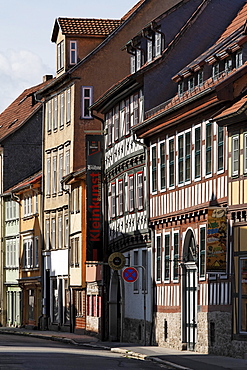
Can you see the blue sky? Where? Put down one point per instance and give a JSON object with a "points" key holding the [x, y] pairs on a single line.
{"points": [[26, 51]]}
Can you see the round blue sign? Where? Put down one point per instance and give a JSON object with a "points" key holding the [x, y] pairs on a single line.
{"points": [[130, 274]]}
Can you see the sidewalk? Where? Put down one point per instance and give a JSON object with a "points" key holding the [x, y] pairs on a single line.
{"points": [[182, 360]]}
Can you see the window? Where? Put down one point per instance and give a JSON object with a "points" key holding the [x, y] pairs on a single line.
{"points": [[171, 162], [60, 55], [200, 78], [61, 110], [228, 65], [109, 126], [113, 200], [66, 236], [67, 162], [60, 232], [175, 255], [220, 148], [120, 197], [36, 252], [28, 209], [157, 44], [47, 234], [235, 155], [216, 70], [73, 52], [245, 152], [60, 171], [180, 88], [138, 59], [87, 100], [36, 203], [116, 122], [28, 253], [75, 252], [132, 64], [180, 159], [149, 50], [202, 252], [140, 190], [10, 210], [208, 149], [48, 176], [158, 258], [136, 109], [197, 152], [55, 118], [167, 258], [53, 233], [131, 193], [187, 156], [239, 58], [154, 169], [162, 165], [68, 106], [191, 83], [127, 117], [54, 177], [49, 115], [11, 253]]}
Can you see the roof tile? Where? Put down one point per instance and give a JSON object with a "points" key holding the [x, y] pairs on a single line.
{"points": [[86, 26], [19, 110]]}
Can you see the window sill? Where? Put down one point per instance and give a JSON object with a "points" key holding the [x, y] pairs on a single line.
{"points": [[27, 217]]}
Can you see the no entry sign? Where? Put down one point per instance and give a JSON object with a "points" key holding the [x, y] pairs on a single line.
{"points": [[130, 274]]}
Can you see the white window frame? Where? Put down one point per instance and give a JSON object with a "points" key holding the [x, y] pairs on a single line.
{"points": [[116, 122], [167, 279], [149, 50], [62, 110], [54, 174], [220, 143], [171, 186], [53, 233], [239, 58], [88, 99], [158, 44], [120, 197], [175, 279], [113, 200], [49, 115], [235, 155], [73, 52], [47, 234], [162, 166], [36, 252], [153, 169], [158, 256], [60, 231], [198, 178], [60, 55], [68, 106], [131, 192], [55, 118], [140, 190], [60, 172]]}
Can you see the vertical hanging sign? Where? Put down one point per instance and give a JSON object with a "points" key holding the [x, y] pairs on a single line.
{"points": [[94, 197], [216, 239]]}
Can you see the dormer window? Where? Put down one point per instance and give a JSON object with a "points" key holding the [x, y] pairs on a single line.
{"points": [[87, 100], [73, 52], [60, 55], [216, 70], [191, 83], [180, 88], [239, 58], [158, 40], [200, 78], [149, 50], [228, 65]]}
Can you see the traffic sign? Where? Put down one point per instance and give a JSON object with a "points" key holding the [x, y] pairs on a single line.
{"points": [[116, 261], [130, 274]]}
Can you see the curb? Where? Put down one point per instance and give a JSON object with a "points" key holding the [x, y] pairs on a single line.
{"points": [[124, 352]]}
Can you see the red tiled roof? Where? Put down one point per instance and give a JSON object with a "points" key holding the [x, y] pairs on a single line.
{"points": [[237, 22], [86, 26], [132, 10], [236, 108], [20, 110]]}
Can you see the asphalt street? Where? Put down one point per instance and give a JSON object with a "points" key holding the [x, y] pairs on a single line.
{"points": [[19, 352]]}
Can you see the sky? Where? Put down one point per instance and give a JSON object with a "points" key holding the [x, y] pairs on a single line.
{"points": [[26, 50]]}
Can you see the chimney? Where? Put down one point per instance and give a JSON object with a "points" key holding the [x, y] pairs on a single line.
{"points": [[47, 77]]}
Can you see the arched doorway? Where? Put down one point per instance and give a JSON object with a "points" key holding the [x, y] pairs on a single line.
{"points": [[115, 307], [189, 291]]}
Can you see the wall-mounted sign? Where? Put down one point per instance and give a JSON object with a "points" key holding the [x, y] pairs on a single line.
{"points": [[116, 261], [94, 201], [216, 239]]}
